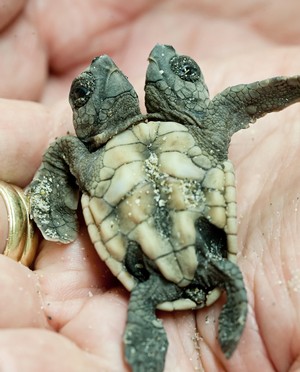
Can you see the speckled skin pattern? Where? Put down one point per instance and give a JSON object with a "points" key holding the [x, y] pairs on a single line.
{"points": [[158, 191]]}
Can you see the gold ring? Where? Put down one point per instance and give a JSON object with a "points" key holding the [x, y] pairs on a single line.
{"points": [[22, 240]]}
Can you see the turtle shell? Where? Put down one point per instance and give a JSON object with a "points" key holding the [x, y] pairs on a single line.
{"points": [[155, 183]]}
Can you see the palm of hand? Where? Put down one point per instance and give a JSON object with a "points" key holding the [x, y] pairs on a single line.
{"points": [[71, 292]]}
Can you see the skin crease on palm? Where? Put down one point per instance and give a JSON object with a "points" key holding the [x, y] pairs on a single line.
{"points": [[69, 313]]}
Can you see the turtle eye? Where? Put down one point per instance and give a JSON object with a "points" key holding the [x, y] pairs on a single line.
{"points": [[81, 91], [185, 68]]}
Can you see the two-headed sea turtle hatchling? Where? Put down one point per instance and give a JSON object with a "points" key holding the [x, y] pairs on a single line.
{"points": [[158, 190]]}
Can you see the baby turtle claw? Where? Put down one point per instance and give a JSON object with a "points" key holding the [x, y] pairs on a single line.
{"points": [[157, 190]]}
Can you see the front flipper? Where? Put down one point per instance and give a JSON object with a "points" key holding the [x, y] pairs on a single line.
{"points": [[239, 105], [53, 195], [145, 338], [54, 192]]}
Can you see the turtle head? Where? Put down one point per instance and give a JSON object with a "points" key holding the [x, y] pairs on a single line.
{"points": [[175, 86], [103, 101]]}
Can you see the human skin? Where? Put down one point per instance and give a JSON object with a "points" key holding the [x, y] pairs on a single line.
{"points": [[69, 312]]}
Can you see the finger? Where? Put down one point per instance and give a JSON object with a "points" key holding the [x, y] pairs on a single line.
{"points": [[21, 296], [9, 10], [69, 276], [26, 129], [33, 350], [99, 29], [22, 77], [101, 319]]}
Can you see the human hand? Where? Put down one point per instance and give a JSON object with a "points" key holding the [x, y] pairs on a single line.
{"points": [[70, 304]]}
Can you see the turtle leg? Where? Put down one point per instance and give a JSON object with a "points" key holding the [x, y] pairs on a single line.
{"points": [[54, 191], [234, 312], [53, 195], [223, 274], [215, 270], [145, 338]]}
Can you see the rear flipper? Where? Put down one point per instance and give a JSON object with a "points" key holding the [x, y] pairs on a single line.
{"points": [[216, 271], [145, 338], [234, 312]]}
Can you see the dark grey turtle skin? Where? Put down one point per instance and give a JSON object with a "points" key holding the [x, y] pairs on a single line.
{"points": [[158, 190]]}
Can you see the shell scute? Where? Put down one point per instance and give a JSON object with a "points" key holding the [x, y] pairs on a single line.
{"points": [[116, 247], [146, 133], [99, 209], [136, 208], [175, 141], [188, 261], [178, 165], [170, 127], [202, 161], [125, 178], [108, 228], [183, 231], [153, 243], [170, 268], [127, 137], [214, 179]]}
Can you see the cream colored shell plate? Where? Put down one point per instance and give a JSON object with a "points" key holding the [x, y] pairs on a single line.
{"points": [[149, 169]]}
